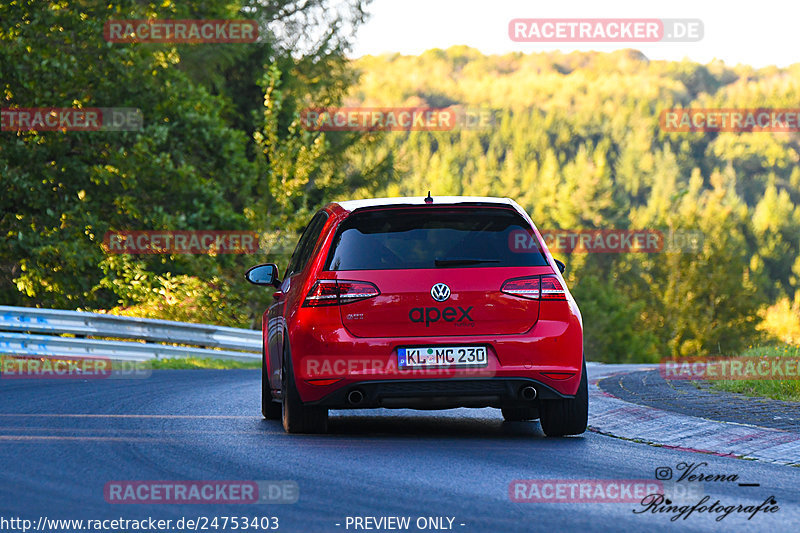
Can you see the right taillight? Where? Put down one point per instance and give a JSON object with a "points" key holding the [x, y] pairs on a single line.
{"points": [[551, 289], [333, 292], [523, 287], [535, 288]]}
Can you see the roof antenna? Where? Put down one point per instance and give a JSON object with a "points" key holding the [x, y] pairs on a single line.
{"points": [[429, 200]]}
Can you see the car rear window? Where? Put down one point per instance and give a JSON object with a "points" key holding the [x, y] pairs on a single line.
{"points": [[411, 238]]}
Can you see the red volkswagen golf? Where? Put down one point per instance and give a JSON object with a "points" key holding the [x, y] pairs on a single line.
{"points": [[424, 303]]}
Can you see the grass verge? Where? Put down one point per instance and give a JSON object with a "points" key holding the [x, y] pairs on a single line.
{"points": [[202, 362], [784, 389]]}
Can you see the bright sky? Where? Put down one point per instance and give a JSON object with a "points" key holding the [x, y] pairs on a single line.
{"points": [[758, 33]]}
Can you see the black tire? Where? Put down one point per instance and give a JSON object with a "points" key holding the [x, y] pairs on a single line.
{"points": [[270, 408], [568, 416], [299, 418], [519, 414]]}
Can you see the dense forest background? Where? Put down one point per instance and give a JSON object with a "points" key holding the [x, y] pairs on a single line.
{"points": [[576, 141]]}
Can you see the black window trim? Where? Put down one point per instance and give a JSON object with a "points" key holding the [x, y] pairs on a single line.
{"points": [[403, 207], [324, 216]]}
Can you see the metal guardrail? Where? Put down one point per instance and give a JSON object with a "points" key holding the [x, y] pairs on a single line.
{"points": [[32, 331]]}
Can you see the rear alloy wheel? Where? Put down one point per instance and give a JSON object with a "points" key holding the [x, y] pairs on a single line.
{"points": [[568, 416], [270, 408], [297, 417], [519, 414]]}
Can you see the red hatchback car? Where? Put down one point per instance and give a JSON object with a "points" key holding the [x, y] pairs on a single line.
{"points": [[424, 303]]}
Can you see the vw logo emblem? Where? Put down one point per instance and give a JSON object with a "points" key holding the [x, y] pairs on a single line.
{"points": [[440, 292]]}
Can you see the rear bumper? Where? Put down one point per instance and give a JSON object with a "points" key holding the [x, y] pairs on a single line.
{"points": [[328, 361], [438, 394]]}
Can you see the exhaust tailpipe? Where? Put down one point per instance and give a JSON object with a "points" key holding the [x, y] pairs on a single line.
{"points": [[355, 397], [527, 393]]}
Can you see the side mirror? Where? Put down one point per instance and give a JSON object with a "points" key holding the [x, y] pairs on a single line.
{"points": [[266, 274], [561, 266]]}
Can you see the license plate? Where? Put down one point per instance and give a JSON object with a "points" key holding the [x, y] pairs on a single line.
{"points": [[442, 356]]}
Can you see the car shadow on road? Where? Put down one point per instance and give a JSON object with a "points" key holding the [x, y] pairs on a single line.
{"points": [[433, 424], [419, 424]]}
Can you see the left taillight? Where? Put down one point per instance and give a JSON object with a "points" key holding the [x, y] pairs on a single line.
{"points": [[339, 292]]}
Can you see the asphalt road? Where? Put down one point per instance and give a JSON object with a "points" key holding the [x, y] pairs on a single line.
{"points": [[62, 441]]}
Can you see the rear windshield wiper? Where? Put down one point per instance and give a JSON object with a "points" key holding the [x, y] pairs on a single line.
{"points": [[462, 261]]}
